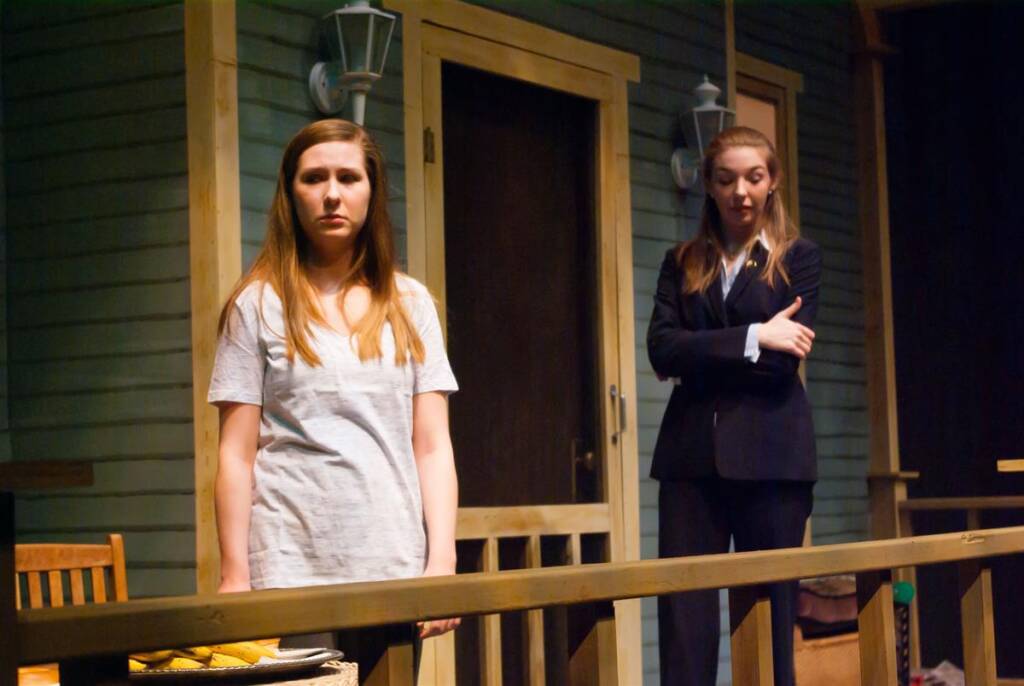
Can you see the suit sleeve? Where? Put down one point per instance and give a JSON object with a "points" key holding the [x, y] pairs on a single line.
{"points": [[675, 350], [804, 281]]}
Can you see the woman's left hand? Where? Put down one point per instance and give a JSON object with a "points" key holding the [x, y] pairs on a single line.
{"points": [[436, 627]]}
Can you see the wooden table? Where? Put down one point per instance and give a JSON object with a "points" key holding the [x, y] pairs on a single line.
{"points": [[24, 476]]}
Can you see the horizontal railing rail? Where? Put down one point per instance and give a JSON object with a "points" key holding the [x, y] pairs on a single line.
{"points": [[47, 635]]}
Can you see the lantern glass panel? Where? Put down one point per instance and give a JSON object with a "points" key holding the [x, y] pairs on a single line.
{"points": [[382, 27], [353, 31], [709, 123]]}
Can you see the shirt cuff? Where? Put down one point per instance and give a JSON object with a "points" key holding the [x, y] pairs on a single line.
{"points": [[752, 351]]}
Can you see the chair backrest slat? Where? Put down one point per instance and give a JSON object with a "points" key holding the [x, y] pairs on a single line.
{"points": [[35, 590], [99, 585], [77, 587], [56, 589]]}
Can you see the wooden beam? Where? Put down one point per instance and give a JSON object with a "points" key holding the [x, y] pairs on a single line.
{"points": [[215, 235], [32, 475], [876, 629], [750, 623], [478, 523], [395, 666], [1010, 465], [594, 662], [533, 656], [993, 502], [490, 627], [729, 10], [977, 623], [517, 33], [50, 635], [629, 613], [878, 314]]}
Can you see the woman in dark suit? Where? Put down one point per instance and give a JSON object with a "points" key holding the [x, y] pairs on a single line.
{"points": [[735, 454]]}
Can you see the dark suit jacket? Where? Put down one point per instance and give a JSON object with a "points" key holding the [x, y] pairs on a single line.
{"points": [[729, 416]]}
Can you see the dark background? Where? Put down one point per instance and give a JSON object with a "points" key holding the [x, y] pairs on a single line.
{"points": [[954, 120]]}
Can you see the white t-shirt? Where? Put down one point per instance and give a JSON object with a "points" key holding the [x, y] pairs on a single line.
{"points": [[336, 495]]}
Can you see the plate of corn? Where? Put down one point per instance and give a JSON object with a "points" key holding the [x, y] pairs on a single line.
{"points": [[225, 661]]}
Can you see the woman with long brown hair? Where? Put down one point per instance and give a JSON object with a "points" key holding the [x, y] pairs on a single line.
{"points": [[331, 379], [735, 454]]}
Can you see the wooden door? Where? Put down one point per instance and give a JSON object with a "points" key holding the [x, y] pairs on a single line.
{"points": [[521, 289], [533, 404]]}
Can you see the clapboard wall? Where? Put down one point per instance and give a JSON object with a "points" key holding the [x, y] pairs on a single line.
{"points": [[97, 275], [816, 41]]}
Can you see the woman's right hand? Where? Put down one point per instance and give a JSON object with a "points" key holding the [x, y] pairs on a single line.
{"points": [[783, 334]]}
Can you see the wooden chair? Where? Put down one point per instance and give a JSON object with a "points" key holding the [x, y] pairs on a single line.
{"points": [[33, 560]]}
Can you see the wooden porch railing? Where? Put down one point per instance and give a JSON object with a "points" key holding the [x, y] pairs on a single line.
{"points": [[91, 642], [527, 527], [972, 506]]}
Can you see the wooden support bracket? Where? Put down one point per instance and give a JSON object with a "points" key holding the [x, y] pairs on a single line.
{"points": [[977, 623], [396, 664], [595, 661], [750, 623], [876, 626]]}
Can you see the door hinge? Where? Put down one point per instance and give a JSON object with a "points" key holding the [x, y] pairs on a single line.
{"points": [[428, 145]]}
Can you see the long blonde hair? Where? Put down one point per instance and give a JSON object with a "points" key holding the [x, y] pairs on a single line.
{"points": [[282, 261], [700, 258]]}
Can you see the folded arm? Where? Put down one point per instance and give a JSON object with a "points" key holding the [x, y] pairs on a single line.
{"points": [[675, 350]]}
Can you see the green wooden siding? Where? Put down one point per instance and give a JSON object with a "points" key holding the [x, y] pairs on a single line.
{"points": [[816, 40], [97, 298]]}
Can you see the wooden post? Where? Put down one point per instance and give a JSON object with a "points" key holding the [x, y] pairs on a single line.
{"points": [[534, 639], [490, 626], [8, 615], [977, 623], [215, 243], [595, 662], [750, 624], [876, 625], [396, 664]]}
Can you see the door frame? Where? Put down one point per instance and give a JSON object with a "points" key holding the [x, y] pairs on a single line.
{"points": [[436, 30]]}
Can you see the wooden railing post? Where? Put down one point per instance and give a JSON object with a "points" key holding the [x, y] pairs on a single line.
{"points": [[534, 625], [490, 626], [594, 662], [977, 623], [876, 626], [396, 664], [750, 624]]}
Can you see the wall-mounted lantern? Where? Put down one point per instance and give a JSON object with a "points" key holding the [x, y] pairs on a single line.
{"points": [[700, 125], [357, 38]]}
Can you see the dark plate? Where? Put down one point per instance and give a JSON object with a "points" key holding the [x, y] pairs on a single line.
{"points": [[282, 667]]}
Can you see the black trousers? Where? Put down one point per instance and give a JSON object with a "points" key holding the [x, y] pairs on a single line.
{"points": [[698, 517]]}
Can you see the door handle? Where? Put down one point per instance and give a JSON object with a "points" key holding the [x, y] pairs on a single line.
{"points": [[619, 398]]}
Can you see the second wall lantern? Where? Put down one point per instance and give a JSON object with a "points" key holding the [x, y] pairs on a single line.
{"points": [[701, 124]]}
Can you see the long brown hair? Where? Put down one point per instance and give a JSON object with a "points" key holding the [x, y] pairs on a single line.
{"points": [[700, 259], [282, 261]]}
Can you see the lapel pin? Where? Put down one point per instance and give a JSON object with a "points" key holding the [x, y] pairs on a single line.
{"points": [[751, 263]]}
